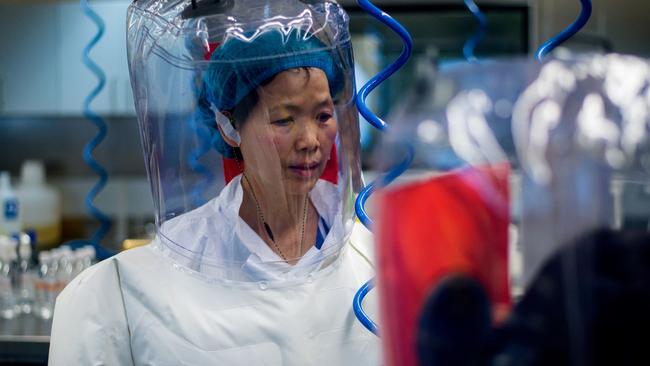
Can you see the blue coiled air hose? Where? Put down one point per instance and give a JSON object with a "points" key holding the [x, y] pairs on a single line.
{"points": [[481, 19], [570, 31], [104, 220], [382, 126]]}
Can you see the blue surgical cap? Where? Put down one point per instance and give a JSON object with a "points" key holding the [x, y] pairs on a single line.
{"points": [[239, 66]]}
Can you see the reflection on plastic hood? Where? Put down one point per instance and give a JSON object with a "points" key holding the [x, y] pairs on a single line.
{"points": [[606, 95]]}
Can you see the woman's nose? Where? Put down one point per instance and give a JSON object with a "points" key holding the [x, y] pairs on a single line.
{"points": [[307, 139]]}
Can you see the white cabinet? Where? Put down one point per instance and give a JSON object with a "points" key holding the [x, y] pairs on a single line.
{"points": [[41, 67]]}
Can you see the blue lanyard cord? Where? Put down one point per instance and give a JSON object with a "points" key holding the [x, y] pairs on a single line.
{"points": [[321, 232], [378, 123], [93, 117], [481, 19], [569, 32]]}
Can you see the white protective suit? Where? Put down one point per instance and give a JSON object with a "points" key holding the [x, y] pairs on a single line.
{"points": [[142, 307]]}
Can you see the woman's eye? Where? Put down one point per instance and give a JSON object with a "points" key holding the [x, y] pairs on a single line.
{"points": [[324, 117], [282, 122]]}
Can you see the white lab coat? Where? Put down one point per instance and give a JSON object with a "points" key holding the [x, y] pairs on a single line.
{"points": [[142, 308]]}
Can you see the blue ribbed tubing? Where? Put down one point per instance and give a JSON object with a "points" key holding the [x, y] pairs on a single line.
{"points": [[471, 43], [569, 32], [378, 123], [104, 220], [370, 86], [358, 308], [388, 71]]}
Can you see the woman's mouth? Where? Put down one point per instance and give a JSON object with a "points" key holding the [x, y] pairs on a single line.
{"points": [[304, 170]]}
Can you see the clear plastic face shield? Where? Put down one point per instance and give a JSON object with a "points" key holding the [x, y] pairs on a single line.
{"points": [[250, 132], [520, 231]]}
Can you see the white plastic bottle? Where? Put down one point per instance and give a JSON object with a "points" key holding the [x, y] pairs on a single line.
{"points": [[51, 284], [47, 284], [26, 276], [41, 206], [91, 256], [42, 286], [65, 273], [10, 212], [79, 261]]}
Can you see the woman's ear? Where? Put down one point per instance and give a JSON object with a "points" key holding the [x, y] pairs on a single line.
{"points": [[227, 129]]}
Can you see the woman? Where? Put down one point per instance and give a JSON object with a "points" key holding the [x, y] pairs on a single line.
{"points": [[291, 127], [263, 272]]}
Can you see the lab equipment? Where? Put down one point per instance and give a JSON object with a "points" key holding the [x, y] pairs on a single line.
{"points": [[83, 259], [56, 268], [10, 211], [374, 120], [517, 155], [41, 206], [65, 272], [104, 219], [471, 44], [570, 31], [46, 284], [8, 308], [26, 296]]}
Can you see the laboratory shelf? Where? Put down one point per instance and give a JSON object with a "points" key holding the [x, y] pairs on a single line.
{"points": [[24, 340]]}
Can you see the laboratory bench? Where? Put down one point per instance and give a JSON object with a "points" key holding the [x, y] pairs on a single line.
{"points": [[24, 340]]}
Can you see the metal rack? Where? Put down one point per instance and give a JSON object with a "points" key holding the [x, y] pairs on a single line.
{"points": [[24, 340]]}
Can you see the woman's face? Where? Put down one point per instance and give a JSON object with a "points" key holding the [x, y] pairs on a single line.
{"points": [[288, 137]]}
